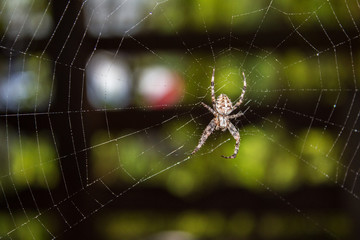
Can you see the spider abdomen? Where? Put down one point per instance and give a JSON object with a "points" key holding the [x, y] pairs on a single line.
{"points": [[223, 104]]}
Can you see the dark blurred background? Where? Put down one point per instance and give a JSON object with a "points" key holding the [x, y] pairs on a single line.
{"points": [[100, 109]]}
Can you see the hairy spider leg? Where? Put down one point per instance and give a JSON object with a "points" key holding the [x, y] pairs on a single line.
{"points": [[208, 130], [236, 135], [241, 96], [209, 108], [213, 99], [239, 114]]}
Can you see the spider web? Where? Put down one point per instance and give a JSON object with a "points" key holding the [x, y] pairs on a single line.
{"points": [[74, 161]]}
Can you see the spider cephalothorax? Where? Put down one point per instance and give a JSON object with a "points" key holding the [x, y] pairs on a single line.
{"points": [[222, 108]]}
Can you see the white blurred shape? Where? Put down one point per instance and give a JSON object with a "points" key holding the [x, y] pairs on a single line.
{"points": [[23, 18], [108, 81], [17, 89], [115, 17]]}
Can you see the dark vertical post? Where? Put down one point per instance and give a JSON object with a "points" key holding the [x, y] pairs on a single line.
{"points": [[67, 126]]}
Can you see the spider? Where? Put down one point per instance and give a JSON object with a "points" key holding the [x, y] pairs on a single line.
{"points": [[222, 109]]}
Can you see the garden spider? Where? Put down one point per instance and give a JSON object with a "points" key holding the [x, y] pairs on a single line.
{"points": [[222, 108]]}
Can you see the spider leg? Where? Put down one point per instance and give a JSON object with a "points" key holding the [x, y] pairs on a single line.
{"points": [[241, 96], [208, 130], [235, 133], [239, 114], [209, 108], [213, 100]]}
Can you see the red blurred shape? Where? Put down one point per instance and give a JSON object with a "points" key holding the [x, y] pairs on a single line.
{"points": [[161, 87]]}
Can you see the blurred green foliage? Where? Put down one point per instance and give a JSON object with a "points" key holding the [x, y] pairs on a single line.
{"points": [[34, 162], [27, 227], [245, 16], [212, 225], [263, 157], [319, 155]]}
